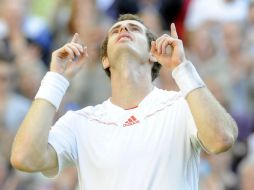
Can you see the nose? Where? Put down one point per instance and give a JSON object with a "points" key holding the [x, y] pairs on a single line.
{"points": [[123, 27]]}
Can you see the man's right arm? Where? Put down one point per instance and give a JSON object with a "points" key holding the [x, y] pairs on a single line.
{"points": [[31, 151]]}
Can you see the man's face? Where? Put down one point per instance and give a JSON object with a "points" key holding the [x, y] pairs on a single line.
{"points": [[128, 36]]}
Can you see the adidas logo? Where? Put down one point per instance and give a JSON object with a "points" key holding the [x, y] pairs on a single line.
{"points": [[131, 121]]}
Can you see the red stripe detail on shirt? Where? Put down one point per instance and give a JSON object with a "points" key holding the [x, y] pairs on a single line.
{"points": [[97, 120]]}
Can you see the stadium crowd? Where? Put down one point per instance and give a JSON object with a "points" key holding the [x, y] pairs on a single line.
{"points": [[218, 37]]}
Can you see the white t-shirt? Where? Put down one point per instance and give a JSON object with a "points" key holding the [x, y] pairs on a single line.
{"points": [[153, 146]]}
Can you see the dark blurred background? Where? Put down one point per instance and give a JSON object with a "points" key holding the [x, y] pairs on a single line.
{"points": [[218, 37]]}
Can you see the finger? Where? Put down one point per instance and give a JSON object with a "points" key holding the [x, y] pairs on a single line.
{"points": [[81, 58], [158, 44], [160, 41], [175, 42], [173, 31], [79, 46], [165, 43], [69, 51], [75, 38], [74, 49], [153, 48]]}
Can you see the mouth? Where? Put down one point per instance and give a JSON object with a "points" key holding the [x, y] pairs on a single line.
{"points": [[124, 36]]}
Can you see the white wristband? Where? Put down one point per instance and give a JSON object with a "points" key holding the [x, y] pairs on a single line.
{"points": [[187, 78], [53, 87]]}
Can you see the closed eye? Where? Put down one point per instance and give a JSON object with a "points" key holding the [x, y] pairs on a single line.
{"points": [[135, 27], [114, 31]]}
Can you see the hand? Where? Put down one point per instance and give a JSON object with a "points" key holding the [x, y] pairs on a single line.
{"points": [[168, 50], [69, 59]]}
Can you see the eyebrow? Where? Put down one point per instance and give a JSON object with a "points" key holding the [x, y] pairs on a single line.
{"points": [[119, 25]]}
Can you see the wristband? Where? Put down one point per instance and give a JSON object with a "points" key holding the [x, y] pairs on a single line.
{"points": [[187, 78], [53, 87]]}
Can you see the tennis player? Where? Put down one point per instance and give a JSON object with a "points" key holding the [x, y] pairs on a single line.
{"points": [[142, 137]]}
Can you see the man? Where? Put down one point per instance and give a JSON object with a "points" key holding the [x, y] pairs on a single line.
{"points": [[140, 138]]}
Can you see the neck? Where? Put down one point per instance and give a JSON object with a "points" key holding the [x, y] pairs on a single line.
{"points": [[130, 82]]}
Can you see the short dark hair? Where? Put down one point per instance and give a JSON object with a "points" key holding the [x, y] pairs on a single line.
{"points": [[150, 37]]}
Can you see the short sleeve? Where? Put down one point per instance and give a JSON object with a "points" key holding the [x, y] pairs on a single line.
{"points": [[62, 139]]}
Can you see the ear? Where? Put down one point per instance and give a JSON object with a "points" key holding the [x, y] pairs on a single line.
{"points": [[105, 62], [152, 59]]}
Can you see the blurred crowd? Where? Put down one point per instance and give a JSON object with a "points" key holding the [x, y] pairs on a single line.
{"points": [[218, 36]]}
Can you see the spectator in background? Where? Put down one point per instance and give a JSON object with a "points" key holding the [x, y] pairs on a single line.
{"points": [[204, 50], [170, 11], [12, 16], [10, 117], [91, 31], [250, 27], [214, 12], [30, 76], [249, 40], [239, 66], [153, 19], [60, 22], [27, 39], [219, 175], [38, 37], [13, 108], [24, 31]]}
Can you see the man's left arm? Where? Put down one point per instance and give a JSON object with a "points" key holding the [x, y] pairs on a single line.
{"points": [[216, 129]]}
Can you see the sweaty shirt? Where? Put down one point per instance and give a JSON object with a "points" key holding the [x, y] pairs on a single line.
{"points": [[151, 147]]}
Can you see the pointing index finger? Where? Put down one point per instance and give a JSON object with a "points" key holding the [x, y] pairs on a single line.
{"points": [[173, 31], [75, 38]]}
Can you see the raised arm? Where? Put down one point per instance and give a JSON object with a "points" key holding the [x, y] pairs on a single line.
{"points": [[31, 151], [217, 131]]}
